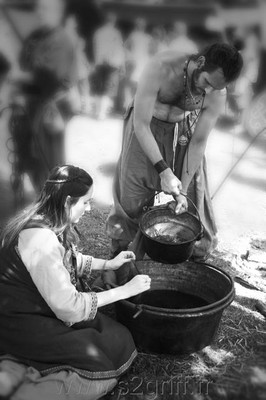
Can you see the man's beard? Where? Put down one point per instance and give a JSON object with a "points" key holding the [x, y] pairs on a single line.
{"points": [[194, 79]]}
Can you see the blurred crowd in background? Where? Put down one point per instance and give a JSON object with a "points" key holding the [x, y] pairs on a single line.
{"points": [[87, 60]]}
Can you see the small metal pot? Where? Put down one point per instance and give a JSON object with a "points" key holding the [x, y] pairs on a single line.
{"points": [[190, 229]]}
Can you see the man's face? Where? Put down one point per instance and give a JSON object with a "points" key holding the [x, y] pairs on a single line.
{"points": [[203, 81]]}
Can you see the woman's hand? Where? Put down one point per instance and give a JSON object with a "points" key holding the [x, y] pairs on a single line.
{"points": [[122, 258], [138, 284]]}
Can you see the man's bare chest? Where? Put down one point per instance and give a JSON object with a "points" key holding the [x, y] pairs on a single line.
{"points": [[180, 98]]}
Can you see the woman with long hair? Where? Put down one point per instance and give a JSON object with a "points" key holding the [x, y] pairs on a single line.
{"points": [[45, 322]]}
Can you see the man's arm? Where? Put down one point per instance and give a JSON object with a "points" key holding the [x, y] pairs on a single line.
{"points": [[146, 96], [197, 145], [145, 99]]}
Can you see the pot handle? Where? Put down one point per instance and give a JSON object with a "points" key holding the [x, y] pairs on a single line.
{"points": [[148, 208], [164, 206], [201, 233], [138, 312]]}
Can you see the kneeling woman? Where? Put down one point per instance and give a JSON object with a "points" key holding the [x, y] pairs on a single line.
{"points": [[45, 322]]}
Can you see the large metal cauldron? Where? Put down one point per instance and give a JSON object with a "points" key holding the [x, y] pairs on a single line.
{"points": [[179, 330], [186, 228]]}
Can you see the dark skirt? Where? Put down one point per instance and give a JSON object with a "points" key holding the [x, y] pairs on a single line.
{"points": [[29, 330]]}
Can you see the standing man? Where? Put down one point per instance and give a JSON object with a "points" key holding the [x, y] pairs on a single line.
{"points": [[178, 101]]}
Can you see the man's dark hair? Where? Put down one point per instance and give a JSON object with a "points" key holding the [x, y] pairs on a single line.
{"points": [[221, 55], [4, 65]]}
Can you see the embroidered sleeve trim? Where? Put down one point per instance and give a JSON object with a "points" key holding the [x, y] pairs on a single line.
{"points": [[87, 265], [94, 305], [93, 308]]}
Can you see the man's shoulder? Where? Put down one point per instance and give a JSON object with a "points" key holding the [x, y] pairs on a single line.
{"points": [[170, 59]]}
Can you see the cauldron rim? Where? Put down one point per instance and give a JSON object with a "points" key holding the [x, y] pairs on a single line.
{"points": [[183, 312], [190, 312], [168, 243]]}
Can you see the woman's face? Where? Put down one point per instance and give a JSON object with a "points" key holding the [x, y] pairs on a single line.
{"points": [[82, 205]]}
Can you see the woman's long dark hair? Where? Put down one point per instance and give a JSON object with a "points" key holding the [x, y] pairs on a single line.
{"points": [[50, 209]]}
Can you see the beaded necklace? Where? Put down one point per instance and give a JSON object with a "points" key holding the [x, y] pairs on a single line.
{"points": [[183, 139], [186, 86]]}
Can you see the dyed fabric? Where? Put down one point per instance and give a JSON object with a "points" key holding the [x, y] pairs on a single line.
{"points": [[136, 182], [29, 330]]}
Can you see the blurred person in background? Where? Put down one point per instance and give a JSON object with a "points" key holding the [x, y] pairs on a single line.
{"points": [[178, 100], [180, 41], [109, 59], [50, 13], [260, 84], [138, 51], [49, 56], [83, 66], [242, 90], [5, 67], [159, 39]]}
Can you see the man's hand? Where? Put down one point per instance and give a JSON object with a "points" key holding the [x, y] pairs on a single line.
{"points": [[170, 184], [181, 204]]}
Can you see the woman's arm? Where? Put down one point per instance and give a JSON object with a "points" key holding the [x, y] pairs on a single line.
{"points": [[45, 265], [139, 284], [50, 276], [88, 263]]}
